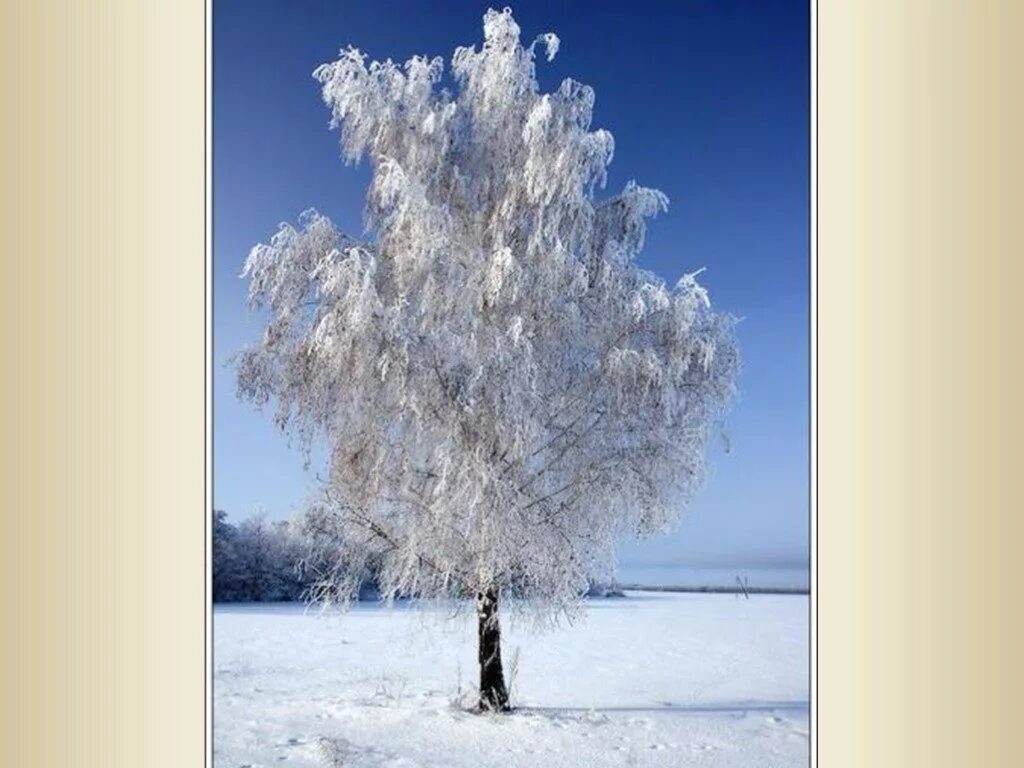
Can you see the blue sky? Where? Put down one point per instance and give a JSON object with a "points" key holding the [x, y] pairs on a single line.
{"points": [[707, 100]]}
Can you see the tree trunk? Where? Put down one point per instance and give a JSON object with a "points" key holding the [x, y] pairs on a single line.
{"points": [[493, 694]]}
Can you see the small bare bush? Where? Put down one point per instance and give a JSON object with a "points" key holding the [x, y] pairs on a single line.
{"points": [[336, 751]]}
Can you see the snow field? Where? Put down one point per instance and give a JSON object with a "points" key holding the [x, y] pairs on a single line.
{"points": [[649, 680]]}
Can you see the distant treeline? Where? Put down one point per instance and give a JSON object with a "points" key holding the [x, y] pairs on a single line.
{"points": [[724, 589], [257, 560], [261, 560]]}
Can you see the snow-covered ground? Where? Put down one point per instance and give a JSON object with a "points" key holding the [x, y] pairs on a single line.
{"points": [[649, 680]]}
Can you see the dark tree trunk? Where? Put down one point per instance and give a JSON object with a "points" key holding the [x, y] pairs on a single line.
{"points": [[493, 694]]}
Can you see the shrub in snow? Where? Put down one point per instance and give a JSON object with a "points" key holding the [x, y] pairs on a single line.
{"points": [[604, 590]]}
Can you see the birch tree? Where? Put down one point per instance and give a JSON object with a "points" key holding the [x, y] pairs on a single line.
{"points": [[503, 392]]}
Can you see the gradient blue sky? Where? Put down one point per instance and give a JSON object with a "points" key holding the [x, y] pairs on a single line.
{"points": [[708, 101]]}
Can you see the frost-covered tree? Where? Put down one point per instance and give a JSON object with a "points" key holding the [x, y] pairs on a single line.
{"points": [[504, 393], [261, 560], [226, 564]]}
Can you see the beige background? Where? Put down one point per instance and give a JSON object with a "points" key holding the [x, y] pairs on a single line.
{"points": [[101, 317]]}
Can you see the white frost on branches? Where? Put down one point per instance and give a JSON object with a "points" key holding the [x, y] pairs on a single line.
{"points": [[505, 394]]}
